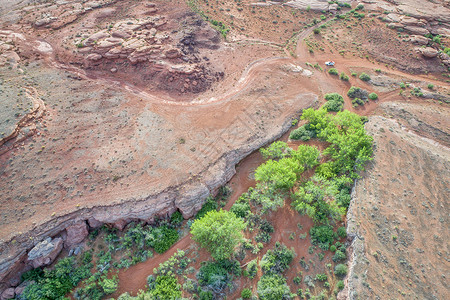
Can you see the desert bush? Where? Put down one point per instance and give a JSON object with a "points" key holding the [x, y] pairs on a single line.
{"points": [[273, 287], [344, 77], [333, 71], [417, 92], [340, 270], [335, 102], [373, 96], [340, 285], [316, 31], [364, 77], [246, 294], [303, 133], [430, 86], [176, 218], [333, 248], [322, 236], [252, 268], [338, 256], [277, 260], [215, 276], [209, 205], [321, 277], [162, 238], [357, 92], [342, 232], [241, 209], [55, 283]]}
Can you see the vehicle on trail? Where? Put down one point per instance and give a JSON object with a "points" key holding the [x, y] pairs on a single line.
{"points": [[329, 63]]}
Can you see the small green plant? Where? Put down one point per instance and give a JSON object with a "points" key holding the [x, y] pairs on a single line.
{"points": [[344, 77], [364, 77], [378, 70], [354, 74], [333, 71], [430, 86], [402, 85], [316, 31], [340, 270], [246, 294], [373, 96], [321, 277], [340, 285]]}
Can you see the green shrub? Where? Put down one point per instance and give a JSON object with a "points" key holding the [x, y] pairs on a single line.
{"points": [[402, 85], [176, 218], [333, 71], [333, 248], [277, 260], [340, 270], [344, 77], [252, 268], [364, 77], [340, 285], [316, 30], [109, 285], [342, 232], [241, 209], [208, 206], [297, 280], [354, 74], [357, 92], [322, 236], [162, 238], [335, 102], [246, 294], [417, 92], [206, 295], [338, 256], [378, 70], [55, 283], [321, 277], [216, 275], [373, 96], [430, 86], [302, 133], [273, 287]]}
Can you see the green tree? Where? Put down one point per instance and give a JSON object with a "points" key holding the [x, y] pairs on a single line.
{"points": [[306, 156], [218, 232], [281, 174]]}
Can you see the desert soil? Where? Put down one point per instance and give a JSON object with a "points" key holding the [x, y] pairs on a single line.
{"points": [[129, 126]]}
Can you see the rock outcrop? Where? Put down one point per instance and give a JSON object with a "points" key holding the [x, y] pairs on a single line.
{"points": [[76, 233], [45, 252]]}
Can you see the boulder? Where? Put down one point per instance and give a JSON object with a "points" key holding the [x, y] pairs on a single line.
{"points": [[94, 223], [8, 294], [172, 53], [76, 233], [395, 18], [120, 34], [419, 40], [93, 56], [428, 52], [120, 224], [45, 252], [417, 30]]}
